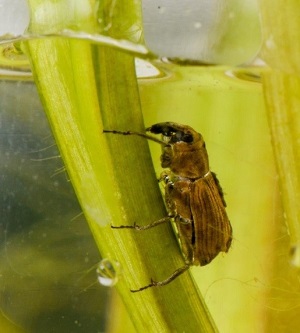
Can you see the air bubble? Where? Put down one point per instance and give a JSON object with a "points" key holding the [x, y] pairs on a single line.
{"points": [[108, 272]]}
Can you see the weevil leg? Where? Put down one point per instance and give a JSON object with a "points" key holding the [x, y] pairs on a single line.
{"points": [[144, 227], [182, 220], [172, 277]]}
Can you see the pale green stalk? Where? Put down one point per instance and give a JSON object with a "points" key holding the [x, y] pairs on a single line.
{"points": [[281, 51]]}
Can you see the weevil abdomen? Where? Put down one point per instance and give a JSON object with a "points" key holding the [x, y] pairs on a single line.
{"points": [[209, 231]]}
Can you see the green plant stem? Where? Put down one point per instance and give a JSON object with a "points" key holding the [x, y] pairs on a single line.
{"points": [[87, 88], [281, 97], [281, 51]]}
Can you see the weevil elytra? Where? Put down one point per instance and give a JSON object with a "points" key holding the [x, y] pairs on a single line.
{"points": [[193, 196]]}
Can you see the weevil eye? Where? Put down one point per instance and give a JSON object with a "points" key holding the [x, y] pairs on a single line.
{"points": [[182, 136], [173, 132]]}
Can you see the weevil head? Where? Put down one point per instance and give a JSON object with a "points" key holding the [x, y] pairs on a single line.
{"points": [[173, 132], [184, 151]]}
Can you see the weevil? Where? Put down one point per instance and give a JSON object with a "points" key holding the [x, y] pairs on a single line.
{"points": [[193, 196]]}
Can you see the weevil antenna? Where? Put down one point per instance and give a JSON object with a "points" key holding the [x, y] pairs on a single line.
{"points": [[143, 135]]}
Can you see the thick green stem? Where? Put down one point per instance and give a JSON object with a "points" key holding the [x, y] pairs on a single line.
{"points": [[87, 88]]}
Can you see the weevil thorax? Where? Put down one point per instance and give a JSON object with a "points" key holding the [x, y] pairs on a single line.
{"points": [[184, 151]]}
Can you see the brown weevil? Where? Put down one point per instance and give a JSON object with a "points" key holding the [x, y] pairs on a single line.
{"points": [[193, 196]]}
